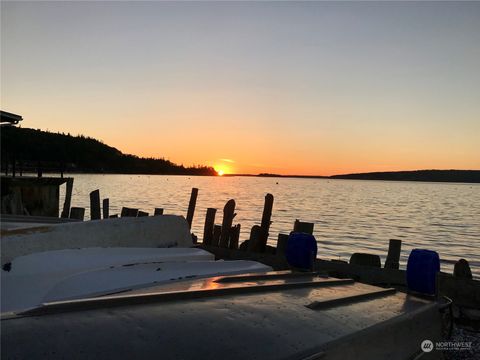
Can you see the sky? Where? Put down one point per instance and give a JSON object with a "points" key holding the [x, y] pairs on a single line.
{"points": [[310, 88]]}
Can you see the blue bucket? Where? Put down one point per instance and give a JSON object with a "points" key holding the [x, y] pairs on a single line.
{"points": [[422, 268], [301, 250]]}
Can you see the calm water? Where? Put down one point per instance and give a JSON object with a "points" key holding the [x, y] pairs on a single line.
{"points": [[349, 216]]}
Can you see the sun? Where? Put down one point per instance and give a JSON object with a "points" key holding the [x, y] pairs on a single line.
{"points": [[222, 169]]}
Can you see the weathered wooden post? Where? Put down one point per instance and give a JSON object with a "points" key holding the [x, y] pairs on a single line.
{"points": [[393, 256], [217, 231], [462, 269], [191, 206], [282, 244], [267, 212], [95, 205], [304, 227], [258, 239], [158, 211], [209, 225], [129, 212], [106, 208], [234, 236], [142, 213], [77, 213], [68, 198], [228, 215]]}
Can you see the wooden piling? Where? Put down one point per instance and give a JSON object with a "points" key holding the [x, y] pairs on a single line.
{"points": [[258, 239], [267, 212], [217, 231], [129, 212], [462, 269], [106, 208], [158, 211], [234, 236], [95, 205], [191, 206], [68, 198], [77, 213], [393, 256], [282, 244], [228, 215], [142, 213], [209, 225], [304, 227]]}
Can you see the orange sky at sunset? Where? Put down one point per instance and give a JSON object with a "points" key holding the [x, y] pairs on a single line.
{"points": [[294, 88]]}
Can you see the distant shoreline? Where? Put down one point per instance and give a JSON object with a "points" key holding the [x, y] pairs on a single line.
{"points": [[442, 176], [452, 176], [34, 150]]}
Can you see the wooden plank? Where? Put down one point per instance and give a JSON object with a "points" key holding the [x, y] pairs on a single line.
{"points": [[364, 259], [77, 213], [106, 208], [209, 225], [217, 231], [95, 205], [393, 257], [191, 206], [68, 198], [228, 215], [158, 211], [305, 227], [267, 212], [346, 300]]}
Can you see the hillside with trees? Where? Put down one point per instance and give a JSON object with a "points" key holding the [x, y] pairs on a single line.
{"points": [[32, 148]]}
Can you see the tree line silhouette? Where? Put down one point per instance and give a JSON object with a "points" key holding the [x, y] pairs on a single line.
{"points": [[31, 148]]}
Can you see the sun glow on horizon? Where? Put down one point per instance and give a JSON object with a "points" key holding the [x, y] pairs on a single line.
{"points": [[221, 168]]}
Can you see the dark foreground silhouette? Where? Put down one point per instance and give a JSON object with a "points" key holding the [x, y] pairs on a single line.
{"points": [[32, 148]]}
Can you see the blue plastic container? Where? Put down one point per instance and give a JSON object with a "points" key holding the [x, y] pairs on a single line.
{"points": [[422, 268], [301, 250]]}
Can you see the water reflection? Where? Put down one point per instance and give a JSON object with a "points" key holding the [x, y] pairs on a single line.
{"points": [[350, 216]]}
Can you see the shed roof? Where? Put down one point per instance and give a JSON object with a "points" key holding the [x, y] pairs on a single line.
{"points": [[7, 118]]}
